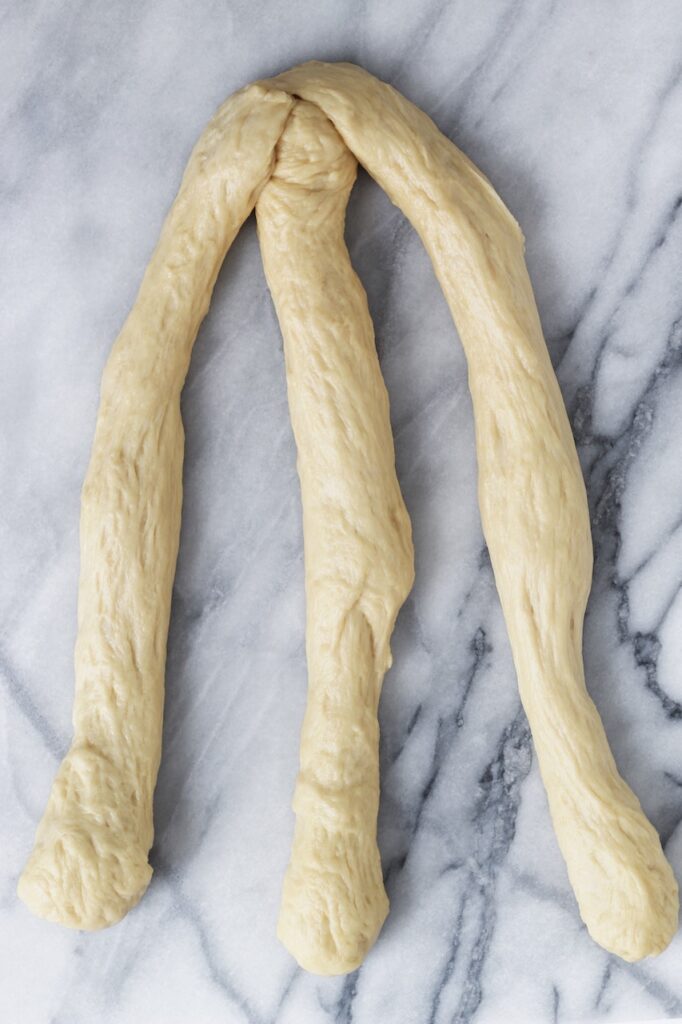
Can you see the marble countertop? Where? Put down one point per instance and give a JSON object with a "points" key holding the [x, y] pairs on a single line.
{"points": [[573, 110]]}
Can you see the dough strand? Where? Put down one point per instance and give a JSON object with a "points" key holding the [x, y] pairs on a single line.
{"points": [[89, 864], [531, 493], [358, 547], [289, 146]]}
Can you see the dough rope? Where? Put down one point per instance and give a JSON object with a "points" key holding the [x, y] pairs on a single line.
{"points": [[89, 864], [288, 146], [358, 548]]}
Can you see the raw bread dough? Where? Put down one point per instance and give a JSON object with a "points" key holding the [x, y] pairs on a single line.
{"points": [[90, 861], [531, 493], [358, 548], [89, 865]]}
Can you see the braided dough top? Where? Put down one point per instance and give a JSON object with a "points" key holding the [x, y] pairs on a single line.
{"points": [[268, 145]]}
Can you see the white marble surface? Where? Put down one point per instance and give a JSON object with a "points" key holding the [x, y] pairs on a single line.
{"points": [[574, 111]]}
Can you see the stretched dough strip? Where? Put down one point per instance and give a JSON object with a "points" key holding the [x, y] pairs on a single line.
{"points": [[89, 864], [358, 549], [531, 492]]}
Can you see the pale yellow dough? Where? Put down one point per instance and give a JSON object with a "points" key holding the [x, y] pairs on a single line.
{"points": [[358, 548], [290, 144], [89, 865]]}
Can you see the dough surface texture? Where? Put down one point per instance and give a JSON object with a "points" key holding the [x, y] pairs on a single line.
{"points": [[89, 864], [289, 146], [358, 548]]}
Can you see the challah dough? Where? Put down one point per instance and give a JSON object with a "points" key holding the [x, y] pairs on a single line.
{"points": [[89, 864], [531, 492], [358, 549], [287, 144]]}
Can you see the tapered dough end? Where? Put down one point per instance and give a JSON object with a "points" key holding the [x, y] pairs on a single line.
{"points": [[80, 878], [333, 904], [626, 889], [636, 918]]}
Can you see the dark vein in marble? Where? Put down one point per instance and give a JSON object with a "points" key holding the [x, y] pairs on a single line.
{"points": [[410, 725], [547, 893], [675, 779], [494, 822], [630, 206], [677, 525], [667, 222], [449, 724], [184, 908], [603, 985], [657, 990], [606, 483], [447, 728], [524, 50], [484, 576], [111, 973], [296, 975], [660, 992], [488, 57], [190, 609], [556, 1002], [561, 343], [344, 1006], [580, 409], [498, 808], [442, 395], [21, 698], [450, 963], [646, 648]]}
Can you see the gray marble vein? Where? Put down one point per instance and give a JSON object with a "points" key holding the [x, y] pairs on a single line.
{"points": [[574, 111]]}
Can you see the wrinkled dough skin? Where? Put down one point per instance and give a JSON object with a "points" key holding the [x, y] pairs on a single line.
{"points": [[532, 496], [272, 144], [358, 548], [89, 864]]}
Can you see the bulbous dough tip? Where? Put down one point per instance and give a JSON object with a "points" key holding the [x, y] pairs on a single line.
{"points": [[635, 918], [333, 907], [83, 880], [311, 935]]}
